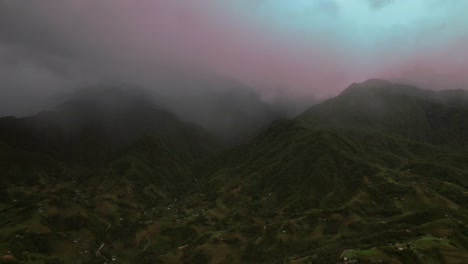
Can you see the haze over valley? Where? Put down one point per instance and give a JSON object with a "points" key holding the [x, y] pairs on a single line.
{"points": [[272, 131]]}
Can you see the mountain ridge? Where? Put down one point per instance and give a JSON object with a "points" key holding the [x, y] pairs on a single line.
{"points": [[348, 180], [91, 120]]}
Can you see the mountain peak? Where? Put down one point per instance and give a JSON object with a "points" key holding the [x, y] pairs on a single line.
{"points": [[375, 81], [377, 86]]}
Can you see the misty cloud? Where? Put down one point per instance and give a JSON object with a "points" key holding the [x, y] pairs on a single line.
{"points": [[184, 50], [376, 4]]}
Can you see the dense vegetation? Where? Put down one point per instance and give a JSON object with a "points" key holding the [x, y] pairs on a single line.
{"points": [[378, 174]]}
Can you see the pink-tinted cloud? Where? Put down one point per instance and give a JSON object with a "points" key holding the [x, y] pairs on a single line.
{"points": [[303, 48]]}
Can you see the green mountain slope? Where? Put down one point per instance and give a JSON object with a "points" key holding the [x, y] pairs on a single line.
{"points": [[92, 170], [378, 174], [380, 166], [420, 115]]}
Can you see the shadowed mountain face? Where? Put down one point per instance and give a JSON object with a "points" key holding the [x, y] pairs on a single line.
{"points": [[95, 125], [376, 174]]}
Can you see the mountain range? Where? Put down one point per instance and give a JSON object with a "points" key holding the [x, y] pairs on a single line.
{"points": [[377, 174]]}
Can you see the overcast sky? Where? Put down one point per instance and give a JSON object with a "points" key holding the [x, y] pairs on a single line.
{"points": [[300, 47]]}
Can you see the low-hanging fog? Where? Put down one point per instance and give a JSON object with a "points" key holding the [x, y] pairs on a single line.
{"points": [[197, 57]]}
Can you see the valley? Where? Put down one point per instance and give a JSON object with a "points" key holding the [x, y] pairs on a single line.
{"points": [[377, 174]]}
